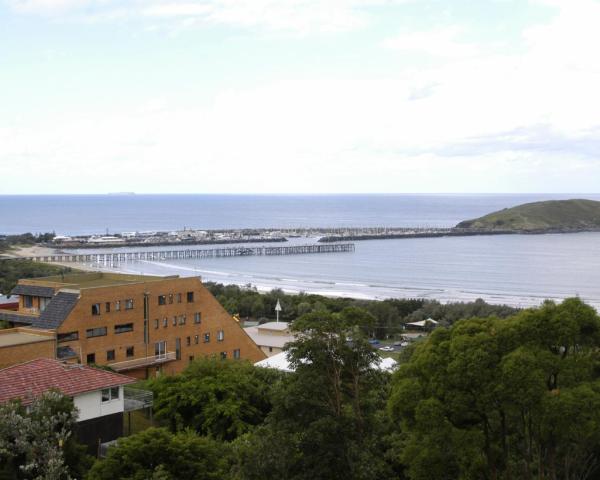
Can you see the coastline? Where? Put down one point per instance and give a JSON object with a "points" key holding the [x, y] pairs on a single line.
{"points": [[435, 278]]}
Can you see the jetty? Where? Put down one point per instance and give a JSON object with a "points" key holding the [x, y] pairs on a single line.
{"points": [[190, 253]]}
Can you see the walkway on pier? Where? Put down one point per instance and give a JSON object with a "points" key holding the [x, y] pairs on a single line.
{"points": [[116, 257]]}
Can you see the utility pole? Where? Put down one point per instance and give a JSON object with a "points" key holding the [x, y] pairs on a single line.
{"points": [[278, 309]]}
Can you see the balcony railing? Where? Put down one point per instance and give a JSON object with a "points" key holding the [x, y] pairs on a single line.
{"points": [[137, 399], [143, 362]]}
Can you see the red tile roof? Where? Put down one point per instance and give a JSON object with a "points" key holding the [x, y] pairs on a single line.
{"points": [[31, 379]]}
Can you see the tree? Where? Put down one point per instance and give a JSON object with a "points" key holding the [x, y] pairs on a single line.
{"points": [[503, 398], [159, 454], [327, 417], [223, 399], [37, 443]]}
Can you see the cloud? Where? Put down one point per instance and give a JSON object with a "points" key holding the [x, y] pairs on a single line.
{"points": [[299, 16], [441, 42]]}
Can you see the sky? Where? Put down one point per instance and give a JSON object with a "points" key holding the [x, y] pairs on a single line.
{"points": [[299, 96]]}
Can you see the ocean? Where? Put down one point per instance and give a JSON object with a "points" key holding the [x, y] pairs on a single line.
{"points": [[519, 270]]}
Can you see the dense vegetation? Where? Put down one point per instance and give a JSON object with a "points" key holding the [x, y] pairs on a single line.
{"points": [[24, 239], [514, 398], [389, 315], [553, 215], [486, 398], [37, 442], [11, 270]]}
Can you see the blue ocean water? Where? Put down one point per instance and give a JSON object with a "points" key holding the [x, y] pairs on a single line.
{"points": [[89, 214], [515, 269]]}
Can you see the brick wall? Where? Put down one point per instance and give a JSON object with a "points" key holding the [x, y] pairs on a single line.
{"points": [[213, 319]]}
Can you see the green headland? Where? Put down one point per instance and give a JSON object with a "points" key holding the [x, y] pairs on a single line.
{"points": [[551, 216]]}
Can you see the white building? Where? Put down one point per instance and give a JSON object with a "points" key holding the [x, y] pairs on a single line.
{"points": [[99, 395], [271, 337], [281, 362]]}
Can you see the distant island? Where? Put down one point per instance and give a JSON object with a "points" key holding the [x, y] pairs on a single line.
{"points": [[548, 216]]}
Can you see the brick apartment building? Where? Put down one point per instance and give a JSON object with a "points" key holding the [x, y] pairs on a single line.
{"points": [[138, 325]]}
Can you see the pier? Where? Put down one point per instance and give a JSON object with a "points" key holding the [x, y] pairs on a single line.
{"points": [[179, 254]]}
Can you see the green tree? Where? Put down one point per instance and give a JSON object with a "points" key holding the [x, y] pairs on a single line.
{"points": [[223, 399], [327, 418], [37, 443], [159, 454], [503, 398]]}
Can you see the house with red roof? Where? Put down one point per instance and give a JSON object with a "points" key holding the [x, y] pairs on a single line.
{"points": [[99, 395]]}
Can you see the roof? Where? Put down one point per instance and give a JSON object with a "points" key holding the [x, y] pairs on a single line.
{"points": [[268, 340], [30, 380], [423, 323], [33, 290], [15, 317], [278, 361], [56, 311], [17, 336], [278, 326], [93, 280], [281, 362]]}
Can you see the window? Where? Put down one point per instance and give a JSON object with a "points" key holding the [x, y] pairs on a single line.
{"points": [[188, 341], [178, 349], [156, 323], [67, 337], [175, 321], [118, 305], [270, 349], [190, 297], [223, 355], [107, 307], [191, 358], [109, 394], [179, 298], [197, 317], [125, 327], [95, 332], [27, 301], [162, 299], [206, 337], [96, 309], [170, 298], [160, 349], [236, 354], [165, 322], [182, 320], [44, 301], [196, 339], [90, 358], [220, 336], [110, 355], [129, 304], [129, 352]]}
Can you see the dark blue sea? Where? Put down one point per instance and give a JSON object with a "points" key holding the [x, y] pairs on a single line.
{"points": [[514, 269]]}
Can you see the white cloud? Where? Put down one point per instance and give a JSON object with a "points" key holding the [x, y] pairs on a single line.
{"points": [[299, 16], [479, 122], [441, 42]]}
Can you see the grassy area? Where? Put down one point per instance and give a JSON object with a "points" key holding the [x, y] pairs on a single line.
{"points": [[549, 215], [11, 270]]}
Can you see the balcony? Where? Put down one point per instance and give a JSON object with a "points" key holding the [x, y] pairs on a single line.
{"points": [[142, 362], [137, 399]]}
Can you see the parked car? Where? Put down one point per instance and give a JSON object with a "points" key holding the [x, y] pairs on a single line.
{"points": [[387, 349], [374, 341]]}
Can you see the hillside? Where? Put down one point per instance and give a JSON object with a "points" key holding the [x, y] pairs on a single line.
{"points": [[553, 215]]}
